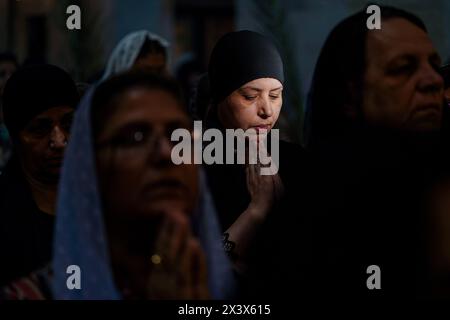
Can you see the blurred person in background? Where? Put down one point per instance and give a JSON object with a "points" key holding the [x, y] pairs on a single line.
{"points": [[375, 123], [8, 65], [200, 99], [137, 225], [188, 71], [139, 50], [38, 106]]}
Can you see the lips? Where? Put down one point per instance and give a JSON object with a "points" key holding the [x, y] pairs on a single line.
{"points": [[262, 127], [426, 116], [55, 161], [429, 107]]}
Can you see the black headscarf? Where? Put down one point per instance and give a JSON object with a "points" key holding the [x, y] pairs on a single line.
{"points": [[240, 57], [33, 90]]}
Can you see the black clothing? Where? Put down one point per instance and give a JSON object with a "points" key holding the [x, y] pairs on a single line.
{"points": [[26, 233], [272, 260]]}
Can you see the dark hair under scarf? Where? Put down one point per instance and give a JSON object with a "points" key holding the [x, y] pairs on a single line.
{"points": [[341, 63], [240, 57], [33, 90]]}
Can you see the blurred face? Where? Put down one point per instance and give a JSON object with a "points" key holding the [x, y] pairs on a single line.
{"points": [[402, 87], [137, 176], [42, 143], [154, 62], [6, 70], [257, 105], [139, 183]]}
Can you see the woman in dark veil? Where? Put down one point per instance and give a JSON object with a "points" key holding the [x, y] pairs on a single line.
{"points": [[262, 223], [370, 173]]}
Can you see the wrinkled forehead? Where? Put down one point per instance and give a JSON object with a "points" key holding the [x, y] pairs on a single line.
{"points": [[140, 104], [55, 112], [396, 37], [263, 84], [151, 60]]}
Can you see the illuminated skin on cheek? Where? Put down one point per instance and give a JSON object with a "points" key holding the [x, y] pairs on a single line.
{"points": [[402, 88], [257, 104], [136, 144], [43, 142]]}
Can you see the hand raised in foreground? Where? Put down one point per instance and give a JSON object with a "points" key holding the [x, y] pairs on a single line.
{"points": [[179, 270]]}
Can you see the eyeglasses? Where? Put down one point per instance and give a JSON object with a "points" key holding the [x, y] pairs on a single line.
{"points": [[130, 142]]}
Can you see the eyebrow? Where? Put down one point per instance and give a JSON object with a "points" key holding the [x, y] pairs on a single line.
{"points": [[70, 113], [144, 125], [407, 56], [132, 126], [41, 121], [404, 56], [259, 90]]}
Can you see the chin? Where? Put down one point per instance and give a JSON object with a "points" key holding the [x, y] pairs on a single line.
{"points": [[427, 125]]}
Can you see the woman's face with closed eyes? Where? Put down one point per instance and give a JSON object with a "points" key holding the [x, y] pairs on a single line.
{"points": [[255, 105]]}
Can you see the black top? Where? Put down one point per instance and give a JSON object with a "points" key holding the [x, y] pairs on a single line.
{"points": [[268, 261], [26, 233], [369, 202]]}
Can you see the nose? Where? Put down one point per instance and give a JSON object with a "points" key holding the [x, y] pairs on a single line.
{"points": [[431, 81], [265, 109], [58, 138], [162, 151]]}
